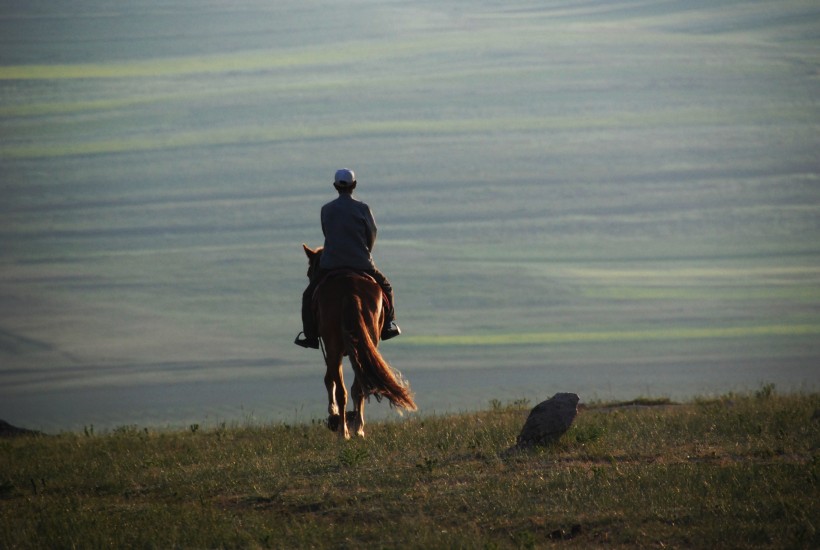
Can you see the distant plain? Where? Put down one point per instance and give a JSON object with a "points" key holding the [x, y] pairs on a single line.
{"points": [[612, 198]]}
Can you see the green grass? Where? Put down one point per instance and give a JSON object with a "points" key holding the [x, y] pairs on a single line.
{"points": [[737, 471]]}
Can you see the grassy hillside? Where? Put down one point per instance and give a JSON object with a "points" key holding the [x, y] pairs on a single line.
{"points": [[738, 471]]}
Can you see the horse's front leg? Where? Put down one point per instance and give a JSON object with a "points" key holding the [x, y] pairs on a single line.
{"points": [[358, 402]]}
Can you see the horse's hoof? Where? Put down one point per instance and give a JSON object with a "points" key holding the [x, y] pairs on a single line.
{"points": [[333, 422]]}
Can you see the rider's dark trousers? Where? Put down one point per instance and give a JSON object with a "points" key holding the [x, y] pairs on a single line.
{"points": [[309, 321]]}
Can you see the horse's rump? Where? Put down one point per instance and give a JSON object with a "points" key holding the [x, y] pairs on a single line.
{"points": [[347, 273]]}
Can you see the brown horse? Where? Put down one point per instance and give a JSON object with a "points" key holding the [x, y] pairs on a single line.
{"points": [[349, 311]]}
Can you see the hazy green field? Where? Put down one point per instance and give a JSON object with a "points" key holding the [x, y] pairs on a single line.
{"points": [[739, 471], [606, 198]]}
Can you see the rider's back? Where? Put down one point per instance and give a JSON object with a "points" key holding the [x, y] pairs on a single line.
{"points": [[350, 232]]}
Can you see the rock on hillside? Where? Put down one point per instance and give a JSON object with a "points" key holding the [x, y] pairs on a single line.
{"points": [[549, 420]]}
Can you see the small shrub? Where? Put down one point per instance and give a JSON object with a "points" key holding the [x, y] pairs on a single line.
{"points": [[766, 391], [351, 457]]}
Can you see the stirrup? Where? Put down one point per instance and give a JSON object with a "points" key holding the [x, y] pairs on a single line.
{"points": [[390, 330], [309, 343]]}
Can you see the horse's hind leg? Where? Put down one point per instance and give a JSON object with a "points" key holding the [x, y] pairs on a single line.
{"points": [[330, 385], [336, 395], [332, 408], [341, 402], [358, 403]]}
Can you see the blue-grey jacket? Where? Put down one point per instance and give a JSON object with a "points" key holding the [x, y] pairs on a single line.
{"points": [[350, 233]]}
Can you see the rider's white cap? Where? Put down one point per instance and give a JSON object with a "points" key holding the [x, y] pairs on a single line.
{"points": [[344, 178]]}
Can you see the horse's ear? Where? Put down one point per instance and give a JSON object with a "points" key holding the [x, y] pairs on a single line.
{"points": [[308, 252]]}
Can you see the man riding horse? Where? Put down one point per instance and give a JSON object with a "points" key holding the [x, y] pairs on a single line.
{"points": [[350, 234]]}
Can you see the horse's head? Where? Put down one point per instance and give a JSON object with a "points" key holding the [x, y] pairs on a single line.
{"points": [[313, 259]]}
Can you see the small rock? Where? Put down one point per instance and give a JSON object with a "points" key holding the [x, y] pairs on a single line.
{"points": [[549, 420]]}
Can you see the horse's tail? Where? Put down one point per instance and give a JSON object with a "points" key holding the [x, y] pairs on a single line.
{"points": [[376, 376]]}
